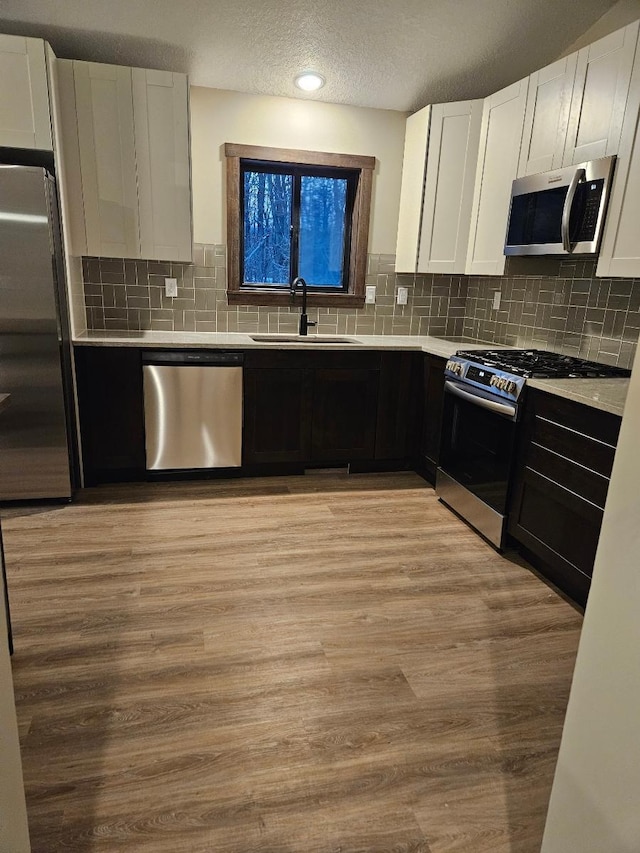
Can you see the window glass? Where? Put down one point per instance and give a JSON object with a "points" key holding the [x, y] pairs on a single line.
{"points": [[323, 204], [267, 227], [296, 214]]}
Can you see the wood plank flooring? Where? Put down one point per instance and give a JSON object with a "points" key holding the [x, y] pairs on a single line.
{"points": [[289, 665]]}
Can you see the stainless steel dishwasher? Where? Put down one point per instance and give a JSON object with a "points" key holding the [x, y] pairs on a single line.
{"points": [[192, 410]]}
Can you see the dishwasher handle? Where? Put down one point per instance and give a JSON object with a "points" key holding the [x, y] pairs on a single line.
{"points": [[198, 358]]}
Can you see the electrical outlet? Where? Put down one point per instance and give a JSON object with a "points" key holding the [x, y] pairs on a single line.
{"points": [[370, 296], [171, 286], [497, 296], [402, 295]]}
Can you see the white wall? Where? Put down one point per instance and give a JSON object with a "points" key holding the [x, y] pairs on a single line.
{"points": [[219, 116], [595, 801], [622, 13], [14, 833]]}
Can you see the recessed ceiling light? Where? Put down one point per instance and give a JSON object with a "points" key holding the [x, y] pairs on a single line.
{"points": [[309, 81]]}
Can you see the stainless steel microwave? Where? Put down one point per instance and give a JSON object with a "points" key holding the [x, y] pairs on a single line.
{"points": [[560, 212]]}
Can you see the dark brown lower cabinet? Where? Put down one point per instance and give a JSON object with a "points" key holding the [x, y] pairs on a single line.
{"points": [[343, 420], [433, 402], [320, 407], [277, 412], [398, 406], [110, 402], [301, 408], [565, 456]]}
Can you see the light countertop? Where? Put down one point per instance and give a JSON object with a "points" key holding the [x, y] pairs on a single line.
{"points": [[228, 340], [606, 394]]}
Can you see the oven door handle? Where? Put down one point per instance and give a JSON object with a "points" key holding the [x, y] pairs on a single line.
{"points": [[578, 176], [492, 405]]}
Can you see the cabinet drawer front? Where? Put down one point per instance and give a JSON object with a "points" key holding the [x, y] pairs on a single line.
{"points": [[561, 521], [586, 451], [574, 477], [583, 419]]}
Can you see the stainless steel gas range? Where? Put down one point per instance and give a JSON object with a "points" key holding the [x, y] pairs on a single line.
{"points": [[483, 401]]}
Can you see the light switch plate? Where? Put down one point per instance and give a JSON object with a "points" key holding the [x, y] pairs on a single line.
{"points": [[171, 286], [496, 299], [370, 296], [402, 295]]}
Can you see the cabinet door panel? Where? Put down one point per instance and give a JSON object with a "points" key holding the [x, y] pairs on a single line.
{"points": [[65, 123], [395, 409], [110, 404], [448, 195], [25, 121], [600, 96], [161, 115], [276, 415], [620, 251], [500, 138], [413, 174], [547, 117], [344, 415], [107, 159], [433, 383]]}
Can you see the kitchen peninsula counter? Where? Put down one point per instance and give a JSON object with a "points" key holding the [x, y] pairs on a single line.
{"points": [[606, 394]]}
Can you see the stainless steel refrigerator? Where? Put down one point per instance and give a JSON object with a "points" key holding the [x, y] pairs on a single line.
{"points": [[36, 430]]}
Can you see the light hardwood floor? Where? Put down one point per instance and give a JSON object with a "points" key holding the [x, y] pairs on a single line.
{"points": [[288, 665]]}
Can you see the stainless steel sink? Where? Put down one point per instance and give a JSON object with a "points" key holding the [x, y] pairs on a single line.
{"points": [[300, 339]]}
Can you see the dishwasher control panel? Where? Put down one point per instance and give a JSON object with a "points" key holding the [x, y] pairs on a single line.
{"points": [[204, 357]]}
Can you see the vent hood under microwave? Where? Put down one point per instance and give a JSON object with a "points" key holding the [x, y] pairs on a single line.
{"points": [[560, 212]]}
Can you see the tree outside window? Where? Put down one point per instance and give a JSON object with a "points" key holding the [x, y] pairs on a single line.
{"points": [[297, 213]]}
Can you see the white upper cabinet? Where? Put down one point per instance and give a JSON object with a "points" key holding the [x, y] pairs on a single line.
{"points": [[25, 121], [104, 109], [452, 155], [412, 189], [547, 117], [499, 152], [620, 251], [127, 163], [599, 96], [161, 119]]}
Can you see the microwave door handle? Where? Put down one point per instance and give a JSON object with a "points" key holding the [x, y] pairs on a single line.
{"points": [[566, 210]]}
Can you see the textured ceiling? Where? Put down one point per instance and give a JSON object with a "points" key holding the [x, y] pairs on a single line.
{"points": [[399, 54]]}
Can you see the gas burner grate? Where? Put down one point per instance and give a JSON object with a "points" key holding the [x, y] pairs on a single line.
{"points": [[542, 364]]}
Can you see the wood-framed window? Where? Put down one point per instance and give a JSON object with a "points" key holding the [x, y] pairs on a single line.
{"points": [[297, 213]]}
